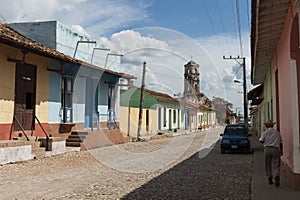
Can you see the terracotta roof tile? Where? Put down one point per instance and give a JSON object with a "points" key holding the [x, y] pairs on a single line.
{"points": [[11, 37], [161, 96]]}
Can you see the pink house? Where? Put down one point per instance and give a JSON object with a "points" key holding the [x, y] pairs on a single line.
{"points": [[275, 52]]}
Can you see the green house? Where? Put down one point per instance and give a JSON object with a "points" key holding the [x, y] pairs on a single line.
{"points": [[161, 112]]}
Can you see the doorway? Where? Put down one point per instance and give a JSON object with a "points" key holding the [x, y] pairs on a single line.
{"points": [[170, 119], [25, 93]]}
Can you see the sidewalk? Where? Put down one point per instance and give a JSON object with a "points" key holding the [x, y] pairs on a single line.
{"points": [[260, 187]]}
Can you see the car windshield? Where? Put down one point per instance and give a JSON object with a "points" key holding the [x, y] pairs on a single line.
{"points": [[235, 130]]}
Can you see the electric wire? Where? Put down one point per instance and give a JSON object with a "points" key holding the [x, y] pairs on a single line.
{"points": [[234, 23], [239, 25], [223, 26], [248, 15], [3, 19], [212, 24]]}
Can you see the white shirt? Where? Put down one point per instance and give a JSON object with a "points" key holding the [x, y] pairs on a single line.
{"points": [[271, 138]]}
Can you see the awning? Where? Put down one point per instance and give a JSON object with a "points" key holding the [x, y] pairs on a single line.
{"points": [[255, 92], [268, 18]]}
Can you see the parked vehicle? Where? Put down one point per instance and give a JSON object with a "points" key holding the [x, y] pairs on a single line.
{"points": [[235, 138]]}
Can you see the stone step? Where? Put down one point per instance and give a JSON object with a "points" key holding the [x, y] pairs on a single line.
{"points": [[77, 136], [80, 133], [23, 138], [73, 144], [75, 139], [38, 152]]}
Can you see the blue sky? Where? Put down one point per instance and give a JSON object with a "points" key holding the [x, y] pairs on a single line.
{"points": [[198, 18], [204, 30]]}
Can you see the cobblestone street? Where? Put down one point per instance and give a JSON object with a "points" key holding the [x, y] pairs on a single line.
{"points": [[165, 168]]}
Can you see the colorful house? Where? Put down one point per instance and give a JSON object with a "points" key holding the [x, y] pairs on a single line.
{"points": [[76, 107], [43, 90], [206, 117], [161, 113], [276, 66]]}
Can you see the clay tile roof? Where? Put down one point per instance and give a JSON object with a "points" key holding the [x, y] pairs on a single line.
{"points": [[161, 96], [11, 37]]}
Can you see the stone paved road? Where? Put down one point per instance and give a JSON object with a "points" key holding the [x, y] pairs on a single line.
{"points": [[165, 168]]}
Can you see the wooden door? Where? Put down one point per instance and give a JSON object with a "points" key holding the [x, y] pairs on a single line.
{"points": [[25, 92]]}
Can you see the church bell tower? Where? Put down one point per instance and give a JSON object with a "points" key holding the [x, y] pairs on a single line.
{"points": [[191, 79]]}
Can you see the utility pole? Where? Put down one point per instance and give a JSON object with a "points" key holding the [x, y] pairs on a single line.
{"points": [[141, 102], [244, 85]]}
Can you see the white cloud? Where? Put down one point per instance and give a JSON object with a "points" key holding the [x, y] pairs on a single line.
{"points": [[130, 40], [80, 29], [97, 17], [166, 51]]}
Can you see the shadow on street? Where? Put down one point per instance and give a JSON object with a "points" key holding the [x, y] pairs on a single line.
{"points": [[216, 176]]}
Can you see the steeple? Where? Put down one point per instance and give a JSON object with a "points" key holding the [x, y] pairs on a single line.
{"points": [[191, 78]]}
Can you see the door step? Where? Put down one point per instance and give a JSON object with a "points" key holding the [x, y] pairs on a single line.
{"points": [[76, 138]]}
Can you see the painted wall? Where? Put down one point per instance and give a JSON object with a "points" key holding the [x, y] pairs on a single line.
{"points": [[42, 32], [7, 88], [7, 83], [281, 62], [171, 120], [288, 92], [212, 118], [129, 121], [54, 93]]}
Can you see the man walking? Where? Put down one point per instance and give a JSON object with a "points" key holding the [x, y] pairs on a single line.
{"points": [[272, 142]]}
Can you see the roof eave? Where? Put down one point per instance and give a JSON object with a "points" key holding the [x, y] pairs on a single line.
{"points": [[265, 33]]}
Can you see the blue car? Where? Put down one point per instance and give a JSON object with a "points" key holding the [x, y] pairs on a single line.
{"points": [[235, 138]]}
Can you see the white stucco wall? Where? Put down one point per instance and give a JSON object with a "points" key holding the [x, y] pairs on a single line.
{"points": [[15, 154]]}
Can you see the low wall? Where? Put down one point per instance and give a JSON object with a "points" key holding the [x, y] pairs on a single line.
{"points": [[14, 151], [56, 145]]}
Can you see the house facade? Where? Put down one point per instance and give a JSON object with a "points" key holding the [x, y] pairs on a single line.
{"points": [[44, 89], [88, 97], [161, 113], [276, 65]]}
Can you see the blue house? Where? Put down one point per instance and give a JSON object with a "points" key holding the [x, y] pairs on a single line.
{"points": [[82, 95]]}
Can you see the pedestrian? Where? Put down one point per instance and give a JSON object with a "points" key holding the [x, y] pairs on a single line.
{"points": [[273, 147]]}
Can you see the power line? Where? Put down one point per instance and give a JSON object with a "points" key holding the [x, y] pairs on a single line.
{"points": [[3, 19], [248, 15], [239, 25], [211, 23], [234, 21], [223, 27]]}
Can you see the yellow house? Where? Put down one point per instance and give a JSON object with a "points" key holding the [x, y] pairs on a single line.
{"points": [[161, 113]]}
